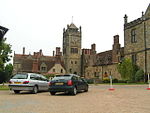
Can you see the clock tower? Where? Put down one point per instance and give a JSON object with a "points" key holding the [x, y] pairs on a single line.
{"points": [[72, 49]]}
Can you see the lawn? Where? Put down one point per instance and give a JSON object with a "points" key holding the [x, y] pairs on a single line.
{"points": [[4, 87]]}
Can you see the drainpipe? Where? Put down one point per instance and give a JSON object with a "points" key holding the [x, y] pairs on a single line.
{"points": [[145, 47]]}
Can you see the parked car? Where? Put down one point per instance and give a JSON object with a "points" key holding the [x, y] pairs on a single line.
{"points": [[69, 83], [29, 82]]}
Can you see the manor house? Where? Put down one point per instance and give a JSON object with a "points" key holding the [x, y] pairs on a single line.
{"points": [[87, 62]]}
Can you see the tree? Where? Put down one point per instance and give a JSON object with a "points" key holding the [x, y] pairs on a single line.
{"points": [[127, 69], [5, 51], [8, 72], [139, 76]]}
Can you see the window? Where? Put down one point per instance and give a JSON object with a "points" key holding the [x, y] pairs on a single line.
{"points": [[70, 70], [53, 70], [133, 36], [74, 50], [20, 76], [61, 70], [75, 62], [95, 75], [43, 68], [71, 62], [134, 58]]}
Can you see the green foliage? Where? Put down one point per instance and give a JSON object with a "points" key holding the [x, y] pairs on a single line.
{"points": [[127, 70], [8, 71], [49, 76], [5, 51], [90, 81], [4, 87], [106, 80], [115, 80], [6, 74], [122, 81], [139, 76], [2, 77]]}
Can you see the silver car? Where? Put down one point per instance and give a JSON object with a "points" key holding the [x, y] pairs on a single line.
{"points": [[28, 82]]}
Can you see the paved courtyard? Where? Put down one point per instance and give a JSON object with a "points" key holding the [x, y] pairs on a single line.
{"points": [[125, 99]]}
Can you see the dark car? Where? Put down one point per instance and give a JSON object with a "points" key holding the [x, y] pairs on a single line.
{"points": [[69, 83]]}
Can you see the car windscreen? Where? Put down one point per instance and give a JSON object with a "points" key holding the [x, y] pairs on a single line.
{"points": [[64, 77], [20, 76]]}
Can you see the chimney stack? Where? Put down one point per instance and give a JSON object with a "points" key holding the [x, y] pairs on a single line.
{"points": [[57, 51], [41, 52], [23, 50], [53, 53]]}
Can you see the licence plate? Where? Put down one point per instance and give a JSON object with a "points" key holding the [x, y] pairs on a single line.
{"points": [[59, 83], [17, 82]]}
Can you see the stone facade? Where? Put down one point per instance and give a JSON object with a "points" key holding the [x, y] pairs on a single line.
{"points": [[137, 40], [104, 64], [102, 72], [72, 49], [38, 63]]}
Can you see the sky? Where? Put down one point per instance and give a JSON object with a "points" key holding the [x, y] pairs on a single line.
{"points": [[38, 24]]}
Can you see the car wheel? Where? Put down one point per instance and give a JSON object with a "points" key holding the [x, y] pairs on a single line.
{"points": [[16, 91], [52, 93], [86, 89], [74, 92], [35, 89]]}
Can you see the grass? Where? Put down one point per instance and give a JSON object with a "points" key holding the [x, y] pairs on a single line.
{"points": [[4, 87]]}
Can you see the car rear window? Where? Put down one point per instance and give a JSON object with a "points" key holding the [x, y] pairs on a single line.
{"points": [[64, 77], [20, 76]]}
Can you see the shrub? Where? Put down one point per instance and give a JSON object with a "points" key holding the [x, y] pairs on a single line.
{"points": [[106, 80], [122, 81], [49, 76], [139, 75], [90, 81], [115, 80]]}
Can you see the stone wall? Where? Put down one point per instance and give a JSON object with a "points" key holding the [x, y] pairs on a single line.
{"points": [[102, 71]]}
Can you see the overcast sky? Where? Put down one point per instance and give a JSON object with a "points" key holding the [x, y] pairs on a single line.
{"points": [[38, 24]]}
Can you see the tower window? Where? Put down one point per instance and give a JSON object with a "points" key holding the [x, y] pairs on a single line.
{"points": [[74, 50], [133, 36], [53, 70], [75, 62]]}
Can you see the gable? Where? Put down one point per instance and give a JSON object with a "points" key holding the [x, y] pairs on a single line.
{"points": [[147, 13], [57, 68]]}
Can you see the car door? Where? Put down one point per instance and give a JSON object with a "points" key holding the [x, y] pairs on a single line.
{"points": [[80, 84], [84, 83], [34, 79], [43, 83]]}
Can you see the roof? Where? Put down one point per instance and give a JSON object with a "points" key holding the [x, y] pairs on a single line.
{"points": [[73, 26], [147, 13]]}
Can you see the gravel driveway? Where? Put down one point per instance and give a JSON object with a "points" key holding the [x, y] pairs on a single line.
{"points": [[125, 99]]}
